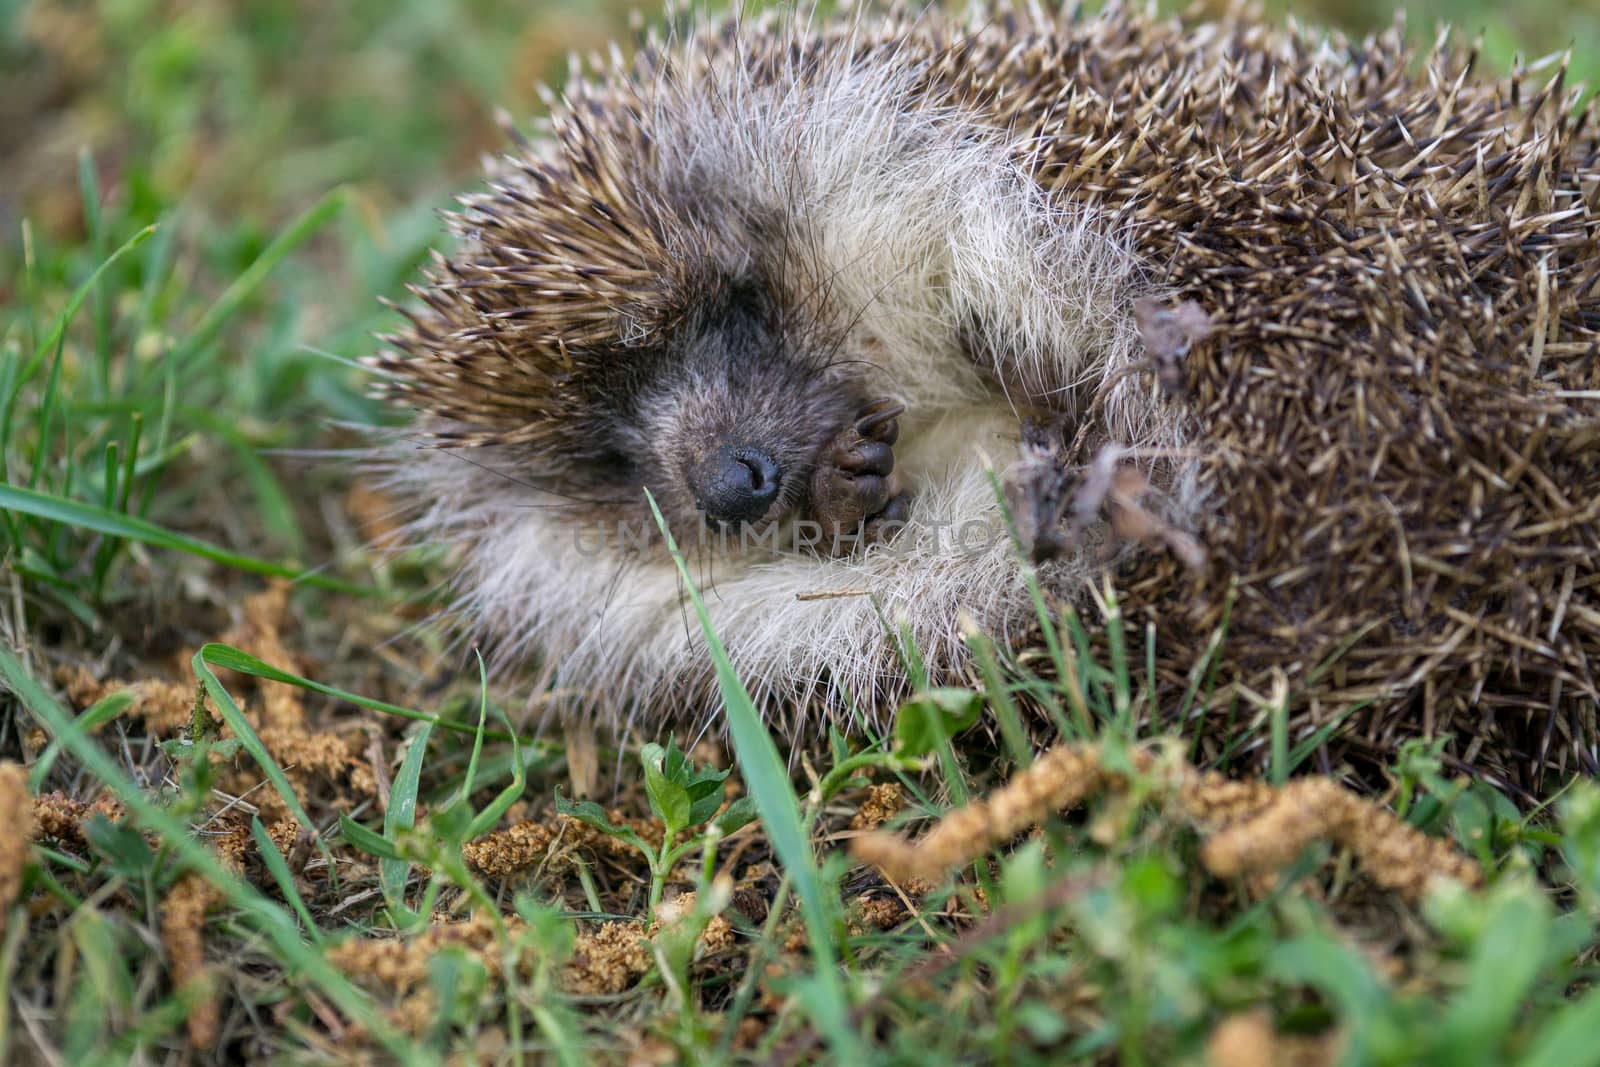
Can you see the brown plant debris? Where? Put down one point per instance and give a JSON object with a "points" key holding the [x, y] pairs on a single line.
{"points": [[59, 817], [1244, 1040], [284, 834], [279, 712], [605, 960], [183, 920], [718, 933], [882, 804], [1394, 855], [16, 831], [526, 844], [298, 749], [260, 633], [1253, 827], [1250, 1040], [401, 964], [880, 913], [165, 707], [506, 852]]}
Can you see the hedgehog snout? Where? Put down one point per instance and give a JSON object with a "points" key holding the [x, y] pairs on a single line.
{"points": [[735, 483]]}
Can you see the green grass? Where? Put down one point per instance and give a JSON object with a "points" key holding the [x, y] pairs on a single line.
{"points": [[1100, 939], [179, 306]]}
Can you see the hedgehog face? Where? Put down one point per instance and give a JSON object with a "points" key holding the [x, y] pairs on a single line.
{"points": [[729, 427]]}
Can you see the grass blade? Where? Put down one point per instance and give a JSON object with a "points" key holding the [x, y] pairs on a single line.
{"points": [[46, 414], [251, 742], [402, 816], [54, 339], [272, 921], [58, 328], [97, 715], [489, 817], [273, 859], [768, 782], [1569, 1041], [226, 657], [244, 287], [116, 524]]}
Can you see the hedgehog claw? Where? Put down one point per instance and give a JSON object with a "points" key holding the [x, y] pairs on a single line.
{"points": [[864, 457], [877, 421], [855, 494]]}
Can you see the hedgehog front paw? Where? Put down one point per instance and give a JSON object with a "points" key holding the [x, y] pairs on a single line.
{"points": [[855, 494]]}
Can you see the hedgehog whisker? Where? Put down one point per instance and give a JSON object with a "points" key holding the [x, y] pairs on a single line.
{"points": [[855, 319]]}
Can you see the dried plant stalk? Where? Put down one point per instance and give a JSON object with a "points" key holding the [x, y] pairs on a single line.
{"points": [[1255, 828], [16, 832], [1059, 779], [183, 920]]}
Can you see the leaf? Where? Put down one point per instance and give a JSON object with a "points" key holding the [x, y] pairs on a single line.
{"points": [[122, 846], [181, 748], [668, 799], [1505, 963], [199, 337], [926, 722], [444, 978], [402, 816], [58, 328], [373, 844], [230, 658], [673, 764], [252, 743], [1326, 965], [705, 797], [104, 989], [739, 814], [101, 712], [1580, 839], [116, 524], [489, 817], [452, 821], [681, 795], [1043, 1025], [701, 783], [1568, 1040], [591, 814], [477, 736]]}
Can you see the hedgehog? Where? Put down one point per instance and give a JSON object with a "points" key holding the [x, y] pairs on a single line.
{"points": [[1286, 342]]}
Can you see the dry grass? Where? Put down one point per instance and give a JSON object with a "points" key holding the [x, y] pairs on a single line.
{"points": [[1251, 827]]}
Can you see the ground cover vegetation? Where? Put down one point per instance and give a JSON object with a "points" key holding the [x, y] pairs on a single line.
{"points": [[253, 807]]}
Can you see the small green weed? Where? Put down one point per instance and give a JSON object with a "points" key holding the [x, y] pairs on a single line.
{"points": [[683, 797]]}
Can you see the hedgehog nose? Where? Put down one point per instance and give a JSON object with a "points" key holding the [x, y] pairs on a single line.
{"points": [[736, 483]]}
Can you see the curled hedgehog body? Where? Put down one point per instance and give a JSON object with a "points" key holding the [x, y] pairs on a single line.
{"points": [[836, 277]]}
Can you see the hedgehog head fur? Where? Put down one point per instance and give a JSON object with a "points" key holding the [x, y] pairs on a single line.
{"points": [[717, 253]]}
